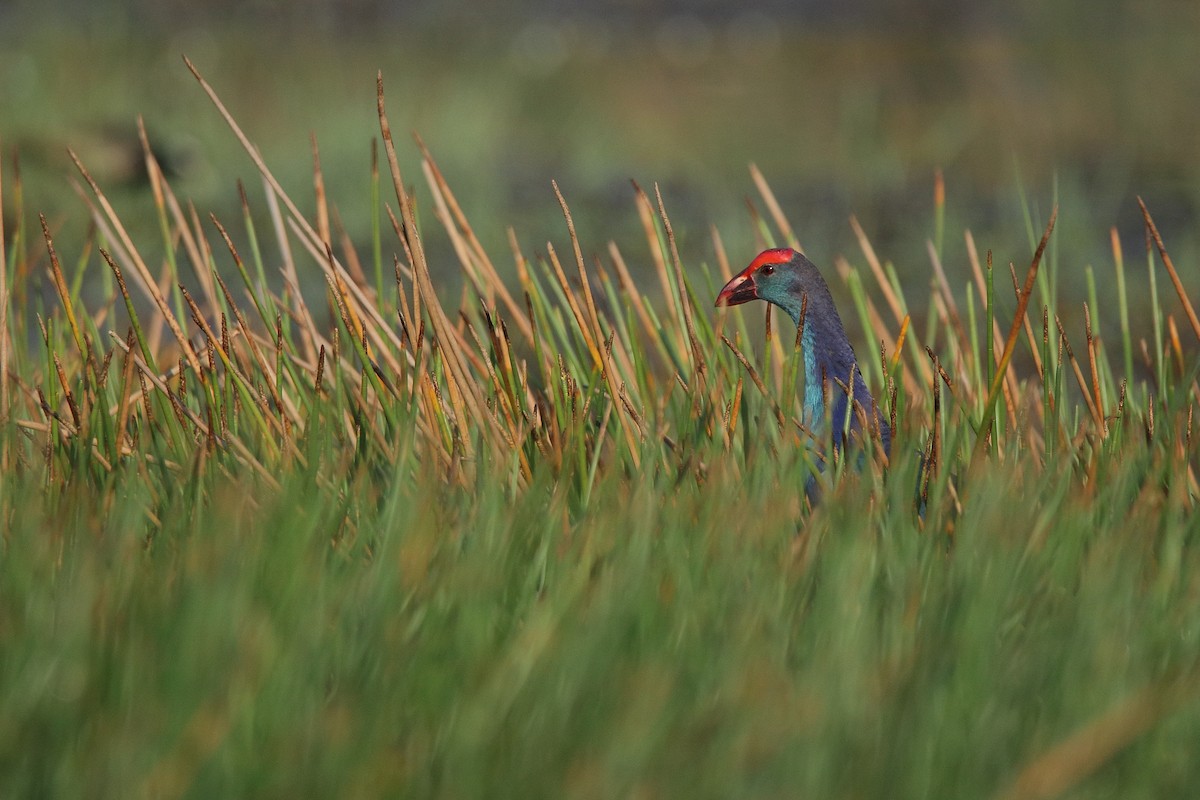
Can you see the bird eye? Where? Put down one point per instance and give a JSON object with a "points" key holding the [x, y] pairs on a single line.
{"points": [[768, 270]]}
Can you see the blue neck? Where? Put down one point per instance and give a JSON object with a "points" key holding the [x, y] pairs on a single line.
{"points": [[829, 361], [814, 397]]}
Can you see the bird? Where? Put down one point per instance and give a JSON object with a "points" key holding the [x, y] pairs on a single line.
{"points": [[786, 278]]}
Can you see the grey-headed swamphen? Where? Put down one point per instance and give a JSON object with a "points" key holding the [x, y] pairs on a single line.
{"points": [[789, 280]]}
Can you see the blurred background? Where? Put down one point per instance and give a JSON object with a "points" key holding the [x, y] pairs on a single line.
{"points": [[847, 107]]}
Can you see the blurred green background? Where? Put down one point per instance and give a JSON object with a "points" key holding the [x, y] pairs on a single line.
{"points": [[848, 108]]}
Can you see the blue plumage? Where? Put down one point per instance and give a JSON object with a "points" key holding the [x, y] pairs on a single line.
{"points": [[787, 279]]}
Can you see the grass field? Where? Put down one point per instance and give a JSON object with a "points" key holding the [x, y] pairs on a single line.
{"points": [[545, 538]]}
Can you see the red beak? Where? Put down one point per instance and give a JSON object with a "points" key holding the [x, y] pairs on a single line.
{"points": [[740, 289]]}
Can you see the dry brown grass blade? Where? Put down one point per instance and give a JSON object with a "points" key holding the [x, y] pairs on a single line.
{"points": [[68, 395], [885, 286], [127, 402], [291, 279], [241, 450], [905, 324], [299, 312], [596, 339], [629, 289], [950, 306], [645, 211], [238, 367], [141, 272], [287, 410], [1173, 342], [310, 238], [402, 271], [734, 409], [773, 207], [1170, 265], [350, 257], [462, 249], [725, 273], [1070, 762], [409, 235], [500, 369], [1034, 350], [386, 342], [272, 184], [1010, 345], [753, 373], [1091, 345], [165, 198], [460, 224], [354, 322], [581, 321], [465, 395], [879, 329], [319, 197], [505, 400], [157, 328], [1011, 390], [60, 285], [1082, 381], [589, 327], [685, 305], [620, 345]]}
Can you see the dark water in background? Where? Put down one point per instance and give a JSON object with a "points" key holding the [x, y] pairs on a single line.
{"points": [[847, 108]]}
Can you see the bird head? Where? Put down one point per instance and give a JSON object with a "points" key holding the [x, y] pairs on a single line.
{"points": [[780, 276]]}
